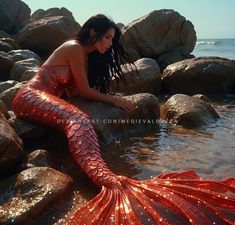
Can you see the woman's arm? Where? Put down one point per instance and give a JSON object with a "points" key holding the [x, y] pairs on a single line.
{"points": [[76, 61]]}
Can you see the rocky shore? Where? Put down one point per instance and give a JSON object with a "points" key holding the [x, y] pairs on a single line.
{"points": [[33, 181]]}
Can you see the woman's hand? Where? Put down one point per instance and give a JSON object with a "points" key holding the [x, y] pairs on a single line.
{"points": [[123, 103]]}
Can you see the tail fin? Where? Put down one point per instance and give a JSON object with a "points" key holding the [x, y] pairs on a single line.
{"points": [[174, 198]]}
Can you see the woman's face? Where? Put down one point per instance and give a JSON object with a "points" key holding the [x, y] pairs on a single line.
{"points": [[105, 42]]}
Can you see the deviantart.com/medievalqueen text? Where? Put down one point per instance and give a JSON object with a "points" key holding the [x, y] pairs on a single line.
{"points": [[108, 121]]}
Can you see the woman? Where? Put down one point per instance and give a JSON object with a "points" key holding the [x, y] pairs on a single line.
{"points": [[85, 66]]}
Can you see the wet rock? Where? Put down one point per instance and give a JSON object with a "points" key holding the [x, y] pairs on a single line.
{"points": [[6, 64], [8, 95], [187, 111], [148, 81], [205, 75], [12, 14], [60, 28], [22, 54], [35, 190], [41, 13], [202, 97], [112, 122], [159, 33], [11, 146], [39, 158], [21, 66]]}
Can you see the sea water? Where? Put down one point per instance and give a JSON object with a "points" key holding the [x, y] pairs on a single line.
{"points": [[208, 150], [215, 47]]}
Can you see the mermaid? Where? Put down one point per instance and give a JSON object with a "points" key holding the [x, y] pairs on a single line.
{"points": [[85, 65]]}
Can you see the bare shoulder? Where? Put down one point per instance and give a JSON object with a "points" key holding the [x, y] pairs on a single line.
{"points": [[72, 46]]}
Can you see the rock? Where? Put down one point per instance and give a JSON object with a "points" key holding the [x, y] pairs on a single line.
{"points": [[187, 111], [161, 32], [148, 81], [40, 158], [171, 57], [3, 34], [112, 122], [8, 95], [25, 129], [120, 25], [7, 84], [22, 54], [202, 97], [12, 14], [37, 36], [11, 42], [3, 109], [5, 47], [21, 66], [28, 74], [205, 75], [34, 191], [11, 146], [41, 13], [6, 65], [115, 122]]}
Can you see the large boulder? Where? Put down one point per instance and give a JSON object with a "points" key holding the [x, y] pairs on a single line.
{"points": [[13, 14], [162, 35], [206, 75], [110, 122], [113, 122], [41, 13], [188, 111], [32, 192], [37, 36], [147, 80]]}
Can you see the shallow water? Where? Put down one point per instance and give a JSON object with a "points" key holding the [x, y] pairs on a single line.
{"points": [[210, 150]]}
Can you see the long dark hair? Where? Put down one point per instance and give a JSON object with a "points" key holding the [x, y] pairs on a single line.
{"points": [[102, 68]]}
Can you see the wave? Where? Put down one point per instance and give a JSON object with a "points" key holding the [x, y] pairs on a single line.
{"points": [[207, 42]]}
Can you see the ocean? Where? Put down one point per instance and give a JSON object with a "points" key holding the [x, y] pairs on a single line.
{"points": [[215, 47]]}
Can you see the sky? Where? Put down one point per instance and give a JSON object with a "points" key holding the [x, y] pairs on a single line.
{"points": [[211, 18]]}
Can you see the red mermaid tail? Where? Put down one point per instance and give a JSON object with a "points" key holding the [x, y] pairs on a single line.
{"points": [[174, 198]]}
